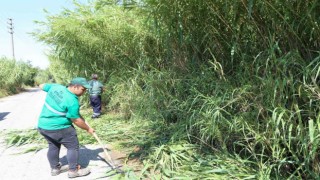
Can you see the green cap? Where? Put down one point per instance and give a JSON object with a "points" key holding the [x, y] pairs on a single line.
{"points": [[81, 81]]}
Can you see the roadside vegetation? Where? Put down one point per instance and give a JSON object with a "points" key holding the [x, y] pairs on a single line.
{"points": [[199, 89], [14, 76]]}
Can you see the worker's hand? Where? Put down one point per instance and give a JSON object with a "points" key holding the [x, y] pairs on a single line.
{"points": [[90, 130]]}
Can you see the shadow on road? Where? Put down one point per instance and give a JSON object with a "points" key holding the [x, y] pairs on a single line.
{"points": [[85, 156], [3, 115]]}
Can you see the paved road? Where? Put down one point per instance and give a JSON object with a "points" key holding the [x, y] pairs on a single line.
{"points": [[21, 112]]}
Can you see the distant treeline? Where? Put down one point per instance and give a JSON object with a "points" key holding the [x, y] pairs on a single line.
{"points": [[16, 75]]}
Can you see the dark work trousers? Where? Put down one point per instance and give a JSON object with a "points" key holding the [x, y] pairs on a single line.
{"points": [[95, 102], [56, 138]]}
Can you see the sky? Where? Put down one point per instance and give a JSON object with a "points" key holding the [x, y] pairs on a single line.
{"points": [[23, 14]]}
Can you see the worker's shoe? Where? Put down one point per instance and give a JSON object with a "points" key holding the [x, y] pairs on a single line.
{"points": [[78, 173], [59, 169], [95, 116]]}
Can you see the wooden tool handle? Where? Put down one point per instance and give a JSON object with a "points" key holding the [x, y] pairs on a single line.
{"points": [[102, 146], [104, 149]]}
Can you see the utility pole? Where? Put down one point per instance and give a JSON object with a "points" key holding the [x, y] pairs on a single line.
{"points": [[10, 27]]}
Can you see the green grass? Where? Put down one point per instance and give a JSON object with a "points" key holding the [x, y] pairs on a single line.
{"points": [[152, 152], [23, 137]]}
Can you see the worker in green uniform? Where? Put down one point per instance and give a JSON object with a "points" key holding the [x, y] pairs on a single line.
{"points": [[95, 95], [59, 113]]}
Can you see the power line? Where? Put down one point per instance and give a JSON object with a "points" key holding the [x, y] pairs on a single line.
{"points": [[10, 27]]}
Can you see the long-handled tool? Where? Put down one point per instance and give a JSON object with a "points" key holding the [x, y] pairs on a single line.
{"points": [[110, 162]]}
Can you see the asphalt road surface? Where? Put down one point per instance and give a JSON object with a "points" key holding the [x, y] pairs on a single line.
{"points": [[21, 112]]}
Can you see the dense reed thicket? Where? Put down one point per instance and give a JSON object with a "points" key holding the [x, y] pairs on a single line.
{"points": [[14, 75], [234, 81]]}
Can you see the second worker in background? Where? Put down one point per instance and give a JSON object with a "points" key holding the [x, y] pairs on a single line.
{"points": [[95, 95]]}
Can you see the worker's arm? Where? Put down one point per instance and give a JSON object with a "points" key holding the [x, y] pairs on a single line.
{"points": [[81, 124]]}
